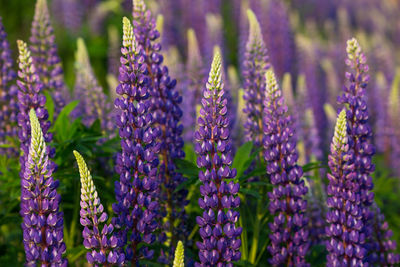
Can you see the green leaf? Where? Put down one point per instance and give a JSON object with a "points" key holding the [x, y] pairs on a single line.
{"points": [[312, 166], [62, 126], [250, 192], [241, 161], [49, 106]]}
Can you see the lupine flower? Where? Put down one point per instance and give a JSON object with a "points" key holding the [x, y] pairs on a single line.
{"points": [[289, 235], [255, 66], [220, 243], [346, 240], [102, 242], [179, 260], [195, 79], [384, 248], [30, 96], [360, 135], [165, 108], [42, 224], [45, 56], [136, 208], [94, 104], [8, 93]]}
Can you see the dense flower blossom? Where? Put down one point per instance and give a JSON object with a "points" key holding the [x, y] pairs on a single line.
{"points": [[220, 243], [45, 56], [30, 96], [8, 93], [289, 235], [94, 104], [179, 260], [194, 82], [42, 221], [255, 66], [102, 242], [360, 135], [165, 109], [346, 240], [136, 208]]}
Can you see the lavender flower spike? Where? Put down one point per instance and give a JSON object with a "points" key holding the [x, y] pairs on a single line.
{"points": [[255, 66], [42, 221], [346, 241], [289, 235], [179, 260], [136, 208], [101, 242], [30, 96], [220, 243], [165, 108], [93, 104], [8, 94], [45, 56], [360, 141]]}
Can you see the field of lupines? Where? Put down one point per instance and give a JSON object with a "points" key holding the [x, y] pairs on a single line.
{"points": [[199, 133]]}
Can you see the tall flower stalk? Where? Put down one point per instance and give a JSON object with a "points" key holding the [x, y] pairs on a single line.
{"points": [[220, 237], [8, 94], [255, 66], [30, 96], [165, 108], [42, 221], [94, 103], [136, 208], [346, 241], [102, 242], [289, 235], [45, 56], [360, 141]]}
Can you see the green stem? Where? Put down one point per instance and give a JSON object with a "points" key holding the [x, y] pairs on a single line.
{"points": [[244, 247]]}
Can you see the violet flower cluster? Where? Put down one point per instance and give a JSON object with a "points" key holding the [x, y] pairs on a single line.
{"points": [[30, 96], [93, 104], [42, 223], [195, 80], [220, 237], [8, 94], [45, 56], [255, 66], [165, 108], [136, 208], [360, 135], [102, 242], [289, 234], [346, 239]]}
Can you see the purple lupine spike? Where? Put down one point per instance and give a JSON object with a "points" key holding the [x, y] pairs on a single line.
{"points": [[102, 242], [30, 96], [45, 56], [42, 223], [8, 94], [220, 237], [94, 103], [279, 38], [165, 108], [346, 240], [384, 248], [136, 208], [255, 66], [360, 135], [195, 80], [289, 235]]}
